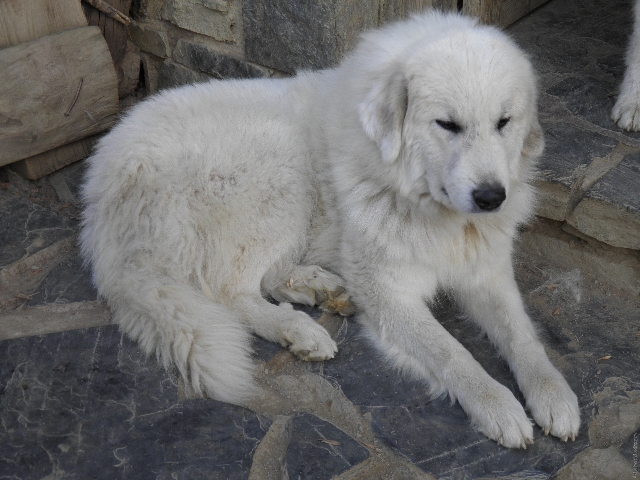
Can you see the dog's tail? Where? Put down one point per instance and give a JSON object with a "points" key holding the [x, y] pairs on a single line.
{"points": [[207, 343]]}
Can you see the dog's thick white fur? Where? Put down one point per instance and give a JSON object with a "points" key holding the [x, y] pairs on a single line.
{"points": [[402, 171], [626, 111]]}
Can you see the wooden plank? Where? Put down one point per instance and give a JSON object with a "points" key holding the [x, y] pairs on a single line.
{"points": [[25, 20], [39, 82], [116, 36], [48, 162], [115, 33], [390, 10], [500, 12]]}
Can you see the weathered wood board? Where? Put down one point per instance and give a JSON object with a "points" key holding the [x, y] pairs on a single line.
{"points": [[499, 12], [25, 20], [55, 159], [39, 82], [115, 33]]}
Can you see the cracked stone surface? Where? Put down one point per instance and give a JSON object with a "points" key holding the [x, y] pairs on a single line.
{"points": [[79, 400], [87, 404], [578, 50]]}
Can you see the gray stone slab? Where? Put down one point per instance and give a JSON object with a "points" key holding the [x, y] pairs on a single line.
{"points": [[151, 38], [588, 98], [611, 210], [175, 75], [579, 50], [87, 404], [203, 58], [569, 150], [290, 36], [214, 18], [69, 281], [566, 37], [317, 446], [28, 227]]}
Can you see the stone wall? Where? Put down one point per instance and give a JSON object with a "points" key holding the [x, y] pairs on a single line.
{"points": [[187, 41]]}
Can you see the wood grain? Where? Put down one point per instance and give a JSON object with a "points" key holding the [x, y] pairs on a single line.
{"points": [[48, 162], [38, 82], [25, 20], [500, 12], [114, 32]]}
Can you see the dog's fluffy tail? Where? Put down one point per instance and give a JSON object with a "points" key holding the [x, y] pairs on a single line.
{"points": [[205, 341]]}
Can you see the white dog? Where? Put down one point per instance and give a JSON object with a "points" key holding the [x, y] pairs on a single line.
{"points": [[626, 111], [403, 171]]}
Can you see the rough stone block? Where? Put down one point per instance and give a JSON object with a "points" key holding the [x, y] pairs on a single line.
{"points": [[604, 464], [289, 36], [129, 70], [553, 200], [611, 210], [174, 75], [150, 38], [610, 266], [214, 18], [569, 150], [151, 71], [318, 446], [203, 58], [148, 8]]}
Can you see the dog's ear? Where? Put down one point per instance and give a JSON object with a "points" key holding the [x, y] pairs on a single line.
{"points": [[534, 143], [382, 114]]}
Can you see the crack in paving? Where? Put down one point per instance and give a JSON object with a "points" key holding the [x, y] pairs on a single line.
{"points": [[596, 169], [288, 388], [22, 278]]}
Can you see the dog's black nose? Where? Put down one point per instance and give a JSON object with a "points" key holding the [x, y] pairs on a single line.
{"points": [[489, 197]]}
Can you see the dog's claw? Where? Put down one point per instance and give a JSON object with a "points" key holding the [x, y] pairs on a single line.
{"points": [[573, 437], [546, 432], [565, 438]]}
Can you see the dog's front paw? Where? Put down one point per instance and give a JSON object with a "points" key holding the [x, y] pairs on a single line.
{"points": [[554, 406], [496, 413], [626, 111], [309, 341]]}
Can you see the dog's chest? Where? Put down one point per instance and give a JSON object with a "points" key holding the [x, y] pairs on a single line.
{"points": [[454, 251]]}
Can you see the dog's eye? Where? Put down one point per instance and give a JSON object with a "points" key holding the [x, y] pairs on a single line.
{"points": [[502, 123], [452, 127]]}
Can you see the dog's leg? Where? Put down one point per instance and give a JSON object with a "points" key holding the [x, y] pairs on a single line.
{"points": [[286, 326], [312, 285], [626, 111], [414, 340], [497, 307]]}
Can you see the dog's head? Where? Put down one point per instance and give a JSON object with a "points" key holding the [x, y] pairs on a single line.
{"points": [[457, 116]]}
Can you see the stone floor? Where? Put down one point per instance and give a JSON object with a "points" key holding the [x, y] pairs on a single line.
{"points": [[80, 401]]}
